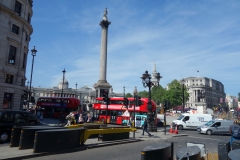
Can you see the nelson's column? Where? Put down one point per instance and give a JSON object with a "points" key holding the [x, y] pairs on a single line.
{"points": [[102, 83]]}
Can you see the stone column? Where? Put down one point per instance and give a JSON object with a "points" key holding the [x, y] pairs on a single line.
{"points": [[102, 82]]}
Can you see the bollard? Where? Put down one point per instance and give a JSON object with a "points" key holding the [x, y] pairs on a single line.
{"points": [[234, 154], [157, 151], [236, 144], [223, 149], [189, 153]]}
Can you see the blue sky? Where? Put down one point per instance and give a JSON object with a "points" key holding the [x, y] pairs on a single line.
{"points": [[181, 36]]}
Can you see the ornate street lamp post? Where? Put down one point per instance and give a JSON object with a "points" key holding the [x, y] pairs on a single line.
{"points": [[183, 103], [146, 80], [34, 51], [62, 89]]}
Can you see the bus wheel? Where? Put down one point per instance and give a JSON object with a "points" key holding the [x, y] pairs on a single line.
{"points": [[102, 120]]}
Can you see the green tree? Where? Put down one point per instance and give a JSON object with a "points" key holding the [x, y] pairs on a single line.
{"points": [[129, 95], [174, 94], [158, 94], [143, 94]]}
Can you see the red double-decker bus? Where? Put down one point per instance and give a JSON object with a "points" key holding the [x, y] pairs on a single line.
{"points": [[53, 106], [116, 109]]}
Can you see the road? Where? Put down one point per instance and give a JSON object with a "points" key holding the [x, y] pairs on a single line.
{"points": [[132, 151]]}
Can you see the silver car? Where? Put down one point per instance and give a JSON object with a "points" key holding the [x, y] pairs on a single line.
{"points": [[215, 127]]}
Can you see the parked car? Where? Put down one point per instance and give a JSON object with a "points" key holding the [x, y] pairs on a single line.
{"points": [[11, 118], [215, 127]]}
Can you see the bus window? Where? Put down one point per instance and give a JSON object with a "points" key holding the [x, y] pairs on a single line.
{"points": [[138, 118]]}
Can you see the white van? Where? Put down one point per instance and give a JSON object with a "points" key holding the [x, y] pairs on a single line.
{"points": [[191, 121]]}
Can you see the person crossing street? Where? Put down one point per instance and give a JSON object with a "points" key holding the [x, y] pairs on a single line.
{"points": [[144, 127]]}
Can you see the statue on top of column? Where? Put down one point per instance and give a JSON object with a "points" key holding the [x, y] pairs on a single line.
{"points": [[105, 15]]}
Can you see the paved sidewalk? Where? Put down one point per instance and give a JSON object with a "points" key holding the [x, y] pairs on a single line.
{"points": [[14, 153]]}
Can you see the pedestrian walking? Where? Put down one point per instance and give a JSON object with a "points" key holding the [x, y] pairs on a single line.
{"points": [[80, 119], [86, 117], [144, 127]]}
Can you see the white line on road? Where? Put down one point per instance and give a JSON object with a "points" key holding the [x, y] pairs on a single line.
{"points": [[204, 138]]}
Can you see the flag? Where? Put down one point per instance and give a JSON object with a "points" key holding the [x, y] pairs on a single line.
{"points": [[226, 100], [236, 100], [221, 100]]}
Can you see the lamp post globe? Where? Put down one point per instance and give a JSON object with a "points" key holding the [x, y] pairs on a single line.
{"points": [[146, 80], [34, 51]]}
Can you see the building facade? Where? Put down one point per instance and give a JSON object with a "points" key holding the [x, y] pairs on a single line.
{"points": [[205, 92], [231, 101], [15, 32], [86, 94]]}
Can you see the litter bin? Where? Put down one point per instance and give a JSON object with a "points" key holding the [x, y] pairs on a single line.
{"points": [[157, 151], [234, 154], [189, 153]]}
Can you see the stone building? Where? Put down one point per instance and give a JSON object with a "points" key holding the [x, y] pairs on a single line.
{"points": [[231, 101], [15, 32], [204, 91], [85, 94]]}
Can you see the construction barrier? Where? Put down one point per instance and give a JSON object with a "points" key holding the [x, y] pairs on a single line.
{"points": [[28, 134], [57, 140], [16, 133], [157, 151]]}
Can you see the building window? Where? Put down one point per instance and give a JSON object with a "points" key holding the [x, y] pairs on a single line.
{"points": [[26, 38], [22, 82], [24, 61], [9, 78], [29, 18], [17, 8], [15, 29], [12, 55], [7, 100]]}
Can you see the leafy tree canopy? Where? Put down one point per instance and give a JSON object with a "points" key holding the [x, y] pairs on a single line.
{"points": [[174, 93], [129, 95]]}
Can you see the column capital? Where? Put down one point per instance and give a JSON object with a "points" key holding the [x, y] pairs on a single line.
{"points": [[104, 24]]}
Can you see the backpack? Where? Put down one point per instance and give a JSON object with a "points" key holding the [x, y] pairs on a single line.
{"points": [[236, 131]]}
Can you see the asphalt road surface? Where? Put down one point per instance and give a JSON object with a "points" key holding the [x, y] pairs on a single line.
{"points": [[132, 151]]}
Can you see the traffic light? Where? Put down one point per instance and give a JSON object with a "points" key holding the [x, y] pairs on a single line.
{"points": [[32, 99], [166, 105], [105, 96], [125, 102], [25, 94], [137, 100]]}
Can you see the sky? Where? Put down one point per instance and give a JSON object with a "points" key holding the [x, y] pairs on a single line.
{"points": [[180, 36]]}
